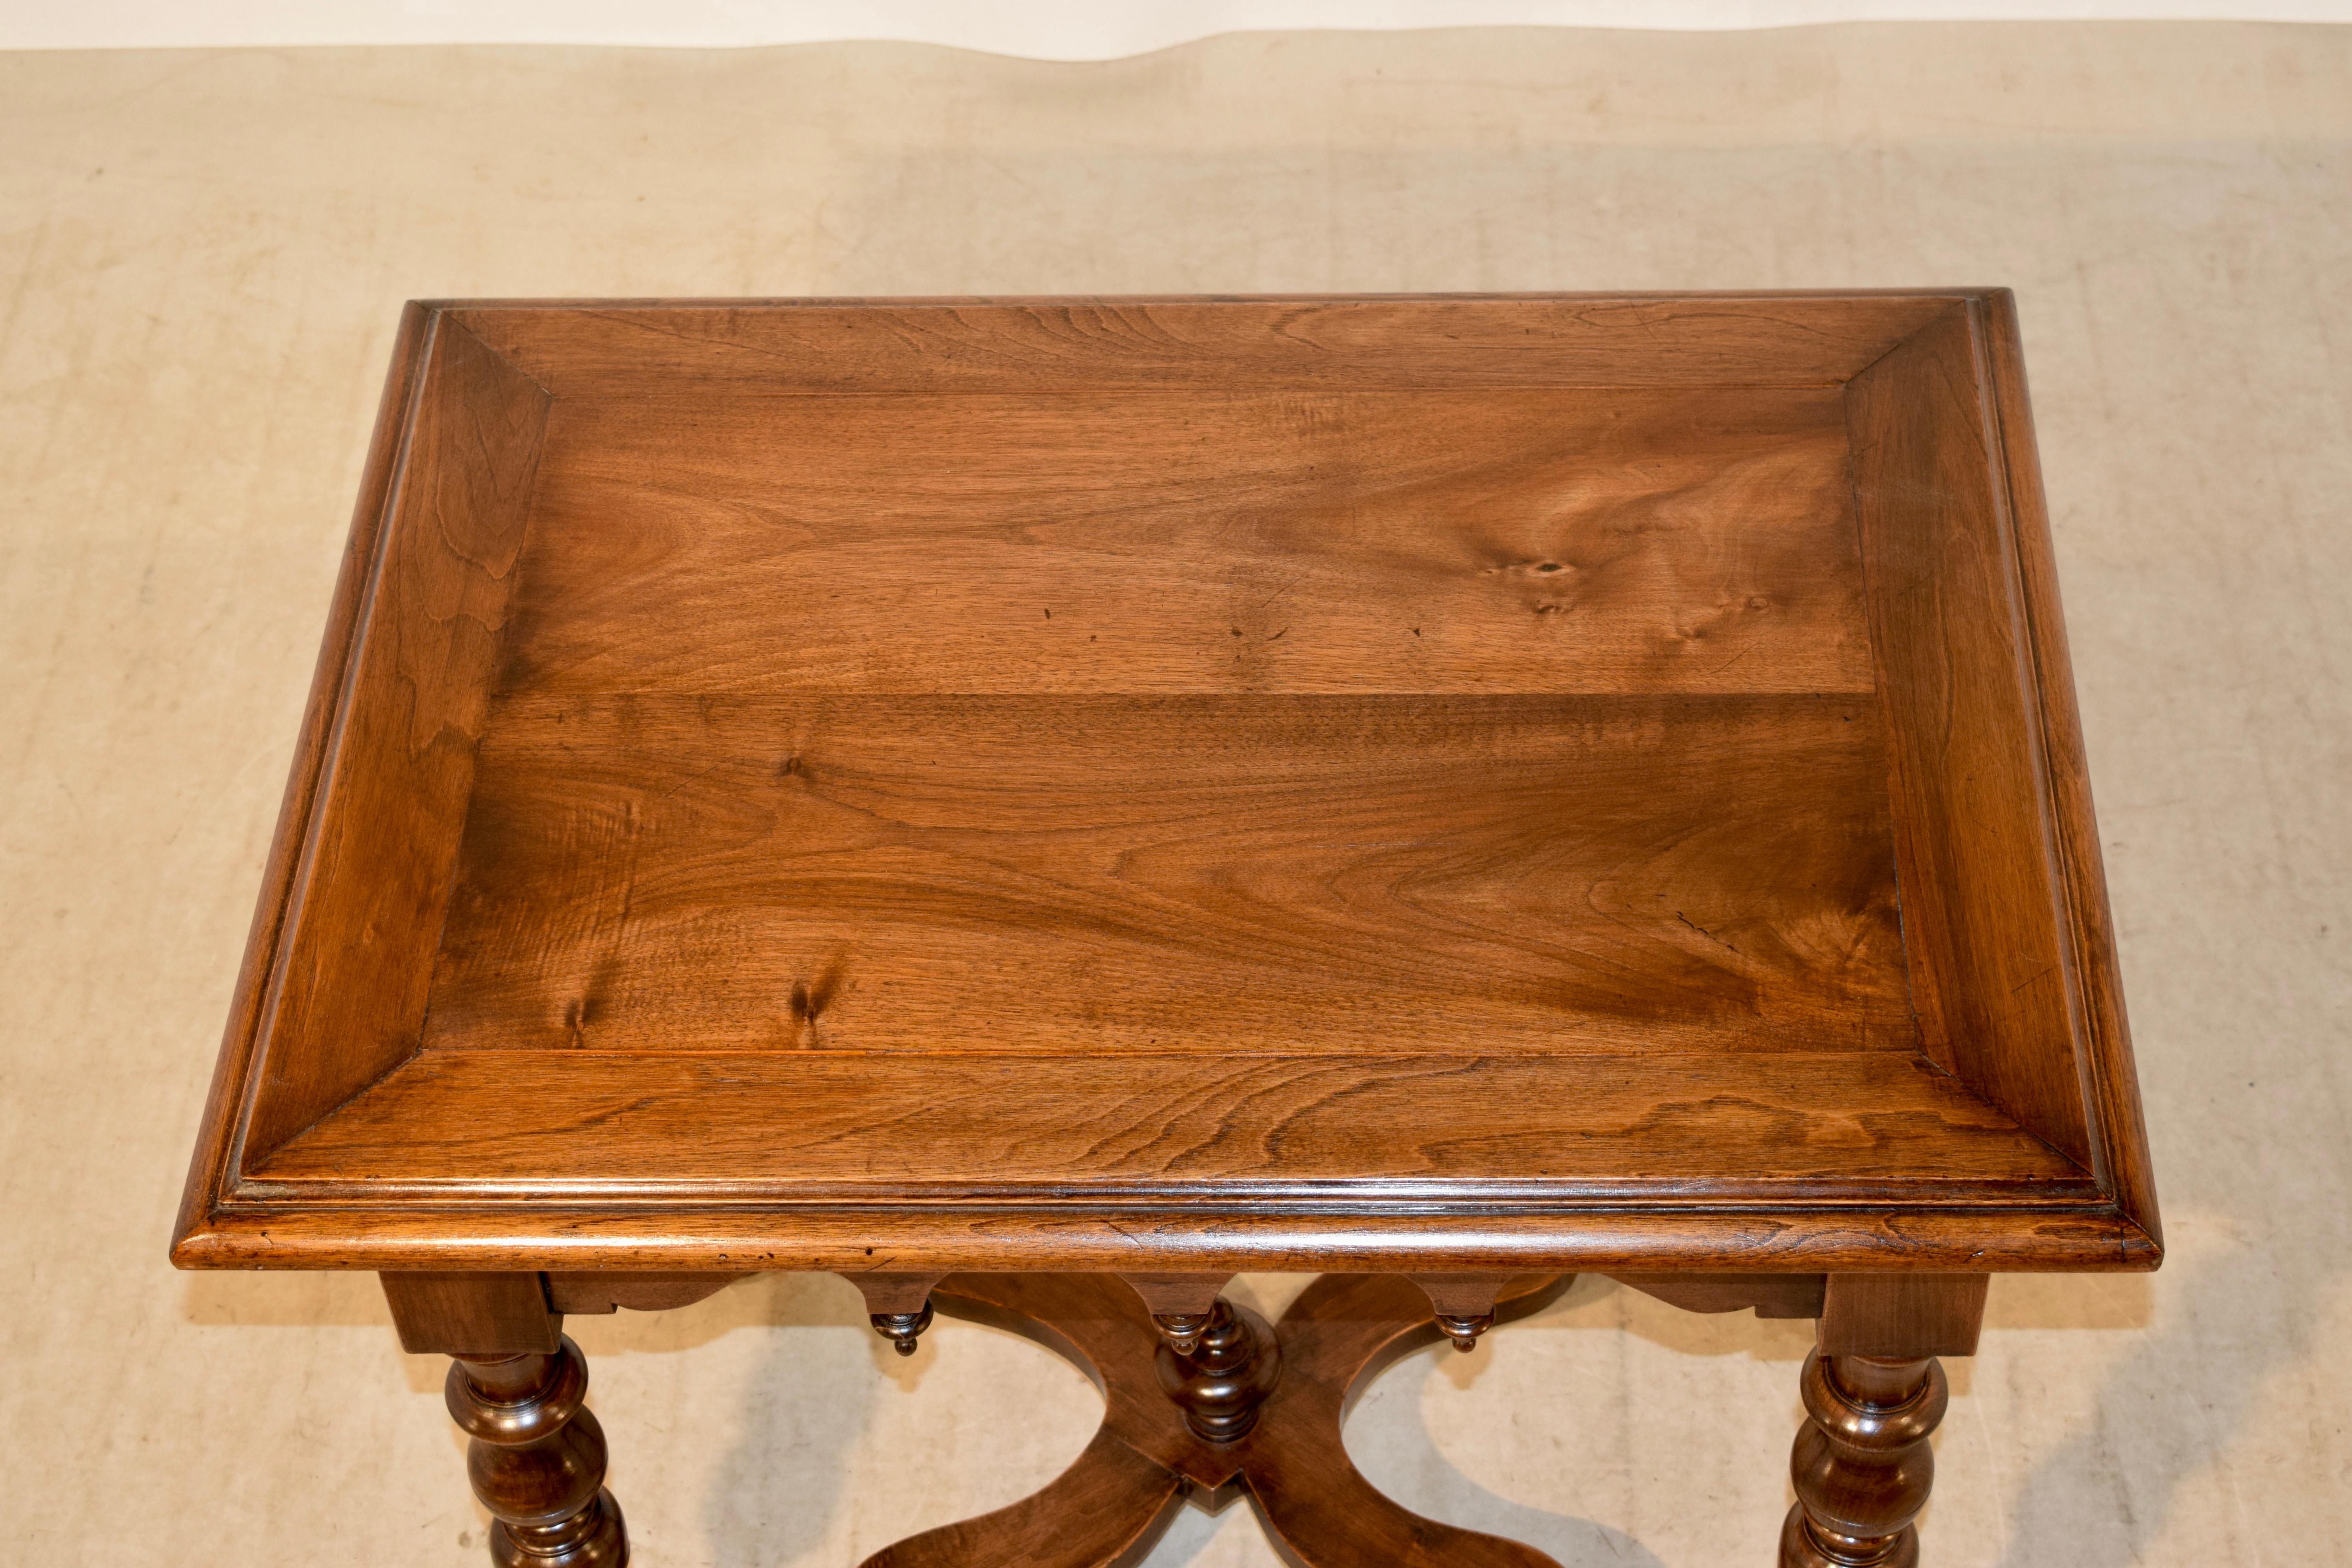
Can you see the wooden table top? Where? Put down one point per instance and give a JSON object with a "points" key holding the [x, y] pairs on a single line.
{"points": [[1547, 782]]}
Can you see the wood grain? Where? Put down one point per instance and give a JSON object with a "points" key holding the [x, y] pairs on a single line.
{"points": [[1218, 1132], [1176, 1295], [1318, 1509], [1214, 874], [595, 1294], [347, 997], [1468, 787], [537, 1461], [479, 1315], [1408, 342], [1989, 963], [1209, 540], [1107, 1510], [1767, 1295], [1100, 1324], [1862, 1467], [1178, 786], [2119, 1131], [1902, 1314], [278, 1225], [212, 1166]]}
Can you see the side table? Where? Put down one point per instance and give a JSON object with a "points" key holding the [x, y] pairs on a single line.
{"points": [[1037, 806]]}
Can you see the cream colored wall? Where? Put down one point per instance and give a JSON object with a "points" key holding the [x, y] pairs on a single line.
{"points": [[202, 256]]}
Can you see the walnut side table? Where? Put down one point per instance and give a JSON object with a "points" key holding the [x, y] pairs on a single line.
{"points": [[1039, 804]]}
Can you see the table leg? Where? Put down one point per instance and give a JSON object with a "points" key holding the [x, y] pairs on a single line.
{"points": [[1874, 1394], [1861, 1466], [537, 1461], [518, 1387]]}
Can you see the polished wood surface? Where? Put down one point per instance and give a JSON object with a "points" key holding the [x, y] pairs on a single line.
{"points": [[1294, 874], [1989, 974], [1457, 784], [1901, 1314], [518, 1387], [1874, 1394], [1217, 1368], [2102, 1041], [1875, 1125], [1766, 1295], [1196, 542], [1863, 1466], [1205, 1403], [485, 1316], [593, 1294], [1463, 1304], [651, 1235], [537, 1461], [1343, 1332], [398, 769], [1423, 342], [1477, 788]]}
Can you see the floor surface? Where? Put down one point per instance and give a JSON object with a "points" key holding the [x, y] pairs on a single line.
{"points": [[202, 258]]}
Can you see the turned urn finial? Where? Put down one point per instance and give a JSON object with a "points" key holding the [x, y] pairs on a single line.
{"points": [[1218, 1366]]}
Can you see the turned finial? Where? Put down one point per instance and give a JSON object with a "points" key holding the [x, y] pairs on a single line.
{"points": [[1463, 1304], [1465, 1330], [1182, 1330], [1218, 1366], [903, 1329]]}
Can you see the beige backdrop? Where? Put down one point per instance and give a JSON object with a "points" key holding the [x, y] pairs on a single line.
{"points": [[201, 256]]}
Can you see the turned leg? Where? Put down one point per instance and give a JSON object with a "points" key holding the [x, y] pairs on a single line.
{"points": [[1861, 1465], [537, 1461], [518, 1387], [1874, 1394]]}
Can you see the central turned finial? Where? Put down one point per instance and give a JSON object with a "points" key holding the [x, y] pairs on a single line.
{"points": [[1218, 1366]]}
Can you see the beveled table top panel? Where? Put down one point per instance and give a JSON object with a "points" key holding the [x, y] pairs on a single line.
{"points": [[1481, 781]]}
